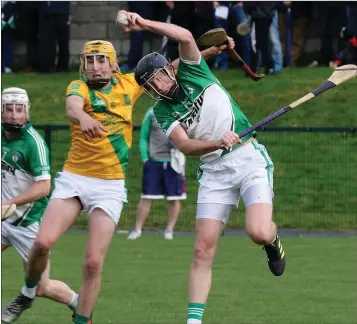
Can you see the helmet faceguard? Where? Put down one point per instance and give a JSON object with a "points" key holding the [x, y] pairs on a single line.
{"points": [[156, 76], [93, 50], [14, 96]]}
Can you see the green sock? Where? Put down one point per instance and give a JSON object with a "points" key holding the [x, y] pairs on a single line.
{"points": [[80, 319], [195, 311], [31, 283]]}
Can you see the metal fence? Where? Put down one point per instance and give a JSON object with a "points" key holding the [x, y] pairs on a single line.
{"points": [[315, 178]]}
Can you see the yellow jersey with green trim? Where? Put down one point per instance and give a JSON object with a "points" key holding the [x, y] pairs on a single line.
{"points": [[105, 157]]}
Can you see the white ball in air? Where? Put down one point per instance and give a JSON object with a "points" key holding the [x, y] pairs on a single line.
{"points": [[122, 20]]}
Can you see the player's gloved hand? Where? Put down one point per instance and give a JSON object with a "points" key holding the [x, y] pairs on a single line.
{"points": [[229, 139], [91, 128]]}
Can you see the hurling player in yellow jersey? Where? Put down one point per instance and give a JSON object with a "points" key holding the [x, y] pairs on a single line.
{"points": [[99, 106]]}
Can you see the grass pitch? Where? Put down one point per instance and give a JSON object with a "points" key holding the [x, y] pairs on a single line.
{"points": [[315, 182], [145, 282]]}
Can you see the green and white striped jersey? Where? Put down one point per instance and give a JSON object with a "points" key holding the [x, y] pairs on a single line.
{"points": [[24, 160], [203, 107]]}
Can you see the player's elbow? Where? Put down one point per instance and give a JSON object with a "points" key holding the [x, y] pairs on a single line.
{"points": [[70, 115], [187, 149], [47, 190], [44, 188], [186, 37]]}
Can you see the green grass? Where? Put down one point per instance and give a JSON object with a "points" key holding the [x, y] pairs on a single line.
{"points": [[314, 182], [145, 281]]}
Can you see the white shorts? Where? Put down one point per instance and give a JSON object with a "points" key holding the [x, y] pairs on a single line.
{"points": [[21, 238], [222, 181], [108, 195]]}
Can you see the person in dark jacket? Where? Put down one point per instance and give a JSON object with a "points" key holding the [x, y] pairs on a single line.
{"points": [[144, 9], [262, 13], [180, 13], [53, 30], [332, 16], [7, 28], [294, 23], [27, 29]]}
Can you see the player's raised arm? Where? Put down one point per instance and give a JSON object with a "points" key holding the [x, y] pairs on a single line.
{"points": [[187, 45]]}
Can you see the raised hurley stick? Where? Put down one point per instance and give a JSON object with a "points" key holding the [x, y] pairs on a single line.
{"points": [[340, 75], [218, 37]]}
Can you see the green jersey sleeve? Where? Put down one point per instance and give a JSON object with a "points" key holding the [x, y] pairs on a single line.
{"points": [[165, 117], [145, 135], [39, 157]]}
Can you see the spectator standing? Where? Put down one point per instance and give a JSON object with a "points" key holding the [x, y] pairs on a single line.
{"points": [[53, 30], [27, 25], [163, 175], [351, 17], [332, 15], [262, 14], [221, 21], [204, 18], [239, 16], [181, 13], [144, 9], [294, 21], [274, 38], [7, 28]]}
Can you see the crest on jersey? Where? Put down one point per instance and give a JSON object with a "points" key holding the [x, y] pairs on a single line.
{"points": [[190, 90], [75, 86], [127, 99], [15, 157]]}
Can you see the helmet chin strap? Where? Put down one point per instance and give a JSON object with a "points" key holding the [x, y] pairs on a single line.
{"points": [[15, 127], [12, 128]]}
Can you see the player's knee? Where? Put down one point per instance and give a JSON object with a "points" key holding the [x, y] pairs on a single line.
{"points": [[260, 234], [42, 246], [204, 253], [93, 265]]}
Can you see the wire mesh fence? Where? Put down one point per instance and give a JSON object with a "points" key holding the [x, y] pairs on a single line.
{"points": [[315, 179]]}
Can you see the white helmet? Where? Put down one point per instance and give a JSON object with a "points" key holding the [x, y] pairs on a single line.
{"points": [[15, 96]]}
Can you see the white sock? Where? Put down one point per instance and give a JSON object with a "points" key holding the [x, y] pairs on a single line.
{"points": [[29, 292], [74, 303], [138, 230], [193, 321]]}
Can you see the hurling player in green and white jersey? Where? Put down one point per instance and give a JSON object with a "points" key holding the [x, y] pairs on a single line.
{"points": [[201, 119], [26, 182]]}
